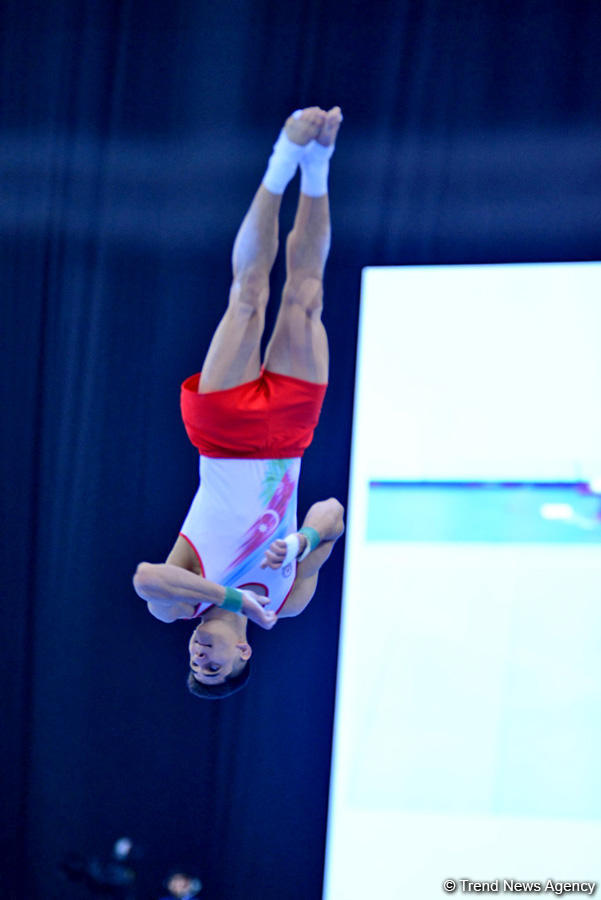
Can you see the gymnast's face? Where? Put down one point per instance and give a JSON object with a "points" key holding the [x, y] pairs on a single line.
{"points": [[216, 651]]}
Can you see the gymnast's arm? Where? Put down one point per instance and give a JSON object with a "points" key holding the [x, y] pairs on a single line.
{"points": [[327, 518], [173, 590]]}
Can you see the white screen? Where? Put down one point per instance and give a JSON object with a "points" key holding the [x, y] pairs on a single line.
{"points": [[468, 726]]}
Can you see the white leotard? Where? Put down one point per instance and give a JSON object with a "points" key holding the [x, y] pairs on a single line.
{"points": [[240, 507]]}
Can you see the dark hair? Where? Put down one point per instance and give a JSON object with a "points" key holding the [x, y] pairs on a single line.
{"points": [[231, 685]]}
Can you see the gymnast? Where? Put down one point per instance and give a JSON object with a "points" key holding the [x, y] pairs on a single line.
{"points": [[239, 555]]}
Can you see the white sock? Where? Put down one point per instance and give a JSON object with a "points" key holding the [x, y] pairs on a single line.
{"points": [[283, 162], [315, 166]]}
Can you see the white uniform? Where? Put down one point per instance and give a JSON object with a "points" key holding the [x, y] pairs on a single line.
{"points": [[241, 506]]}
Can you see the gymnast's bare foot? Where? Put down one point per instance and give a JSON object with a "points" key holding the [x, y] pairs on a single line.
{"points": [[301, 129], [329, 129]]}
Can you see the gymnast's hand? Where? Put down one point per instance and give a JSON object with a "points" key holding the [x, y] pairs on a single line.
{"points": [[281, 552], [274, 555], [252, 607]]}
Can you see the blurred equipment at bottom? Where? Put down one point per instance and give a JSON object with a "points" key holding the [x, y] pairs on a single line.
{"points": [[114, 877], [182, 886]]}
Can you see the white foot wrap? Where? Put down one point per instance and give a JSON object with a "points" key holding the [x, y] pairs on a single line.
{"points": [[315, 167], [283, 162]]}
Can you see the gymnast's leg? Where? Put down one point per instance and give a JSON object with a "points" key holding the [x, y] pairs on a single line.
{"points": [[299, 345], [233, 357]]}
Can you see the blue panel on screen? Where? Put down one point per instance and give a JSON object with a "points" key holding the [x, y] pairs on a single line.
{"points": [[483, 513]]}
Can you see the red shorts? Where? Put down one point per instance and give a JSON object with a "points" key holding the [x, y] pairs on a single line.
{"points": [[272, 417]]}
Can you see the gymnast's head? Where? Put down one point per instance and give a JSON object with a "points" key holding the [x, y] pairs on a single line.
{"points": [[219, 655]]}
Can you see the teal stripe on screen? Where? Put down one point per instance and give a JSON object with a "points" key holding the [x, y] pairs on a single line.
{"points": [[481, 513]]}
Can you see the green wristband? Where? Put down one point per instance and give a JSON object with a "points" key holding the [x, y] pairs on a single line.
{"points": [[313, 541], [232, 600], [312, 536]]}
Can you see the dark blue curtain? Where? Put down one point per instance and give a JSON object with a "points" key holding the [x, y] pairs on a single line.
{"points": [[133, 135]]}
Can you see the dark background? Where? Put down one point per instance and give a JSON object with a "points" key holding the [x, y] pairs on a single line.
{"points": [[133, 135]]}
